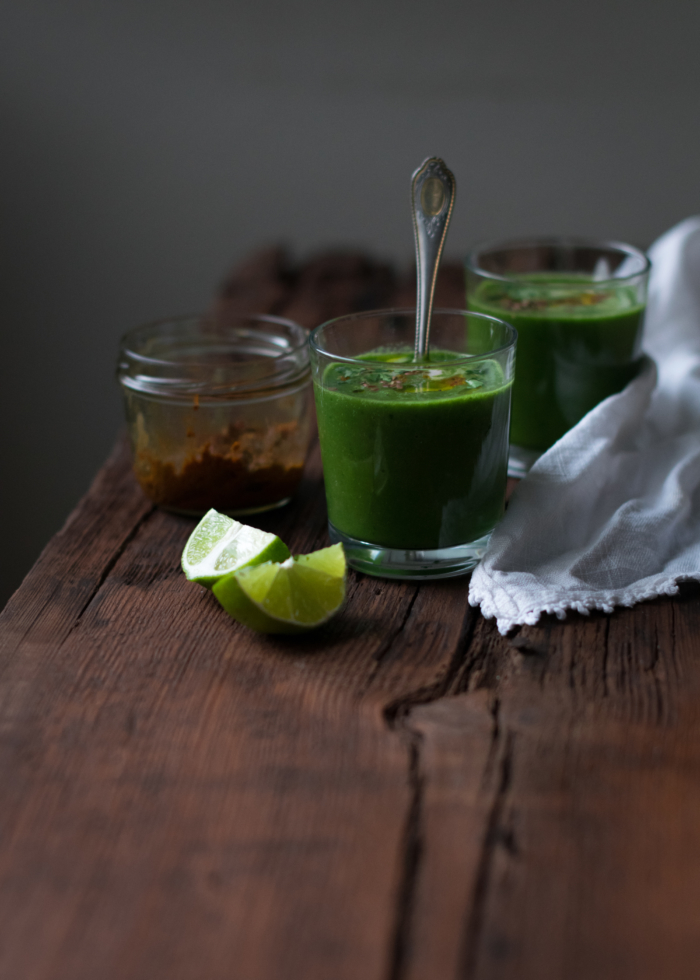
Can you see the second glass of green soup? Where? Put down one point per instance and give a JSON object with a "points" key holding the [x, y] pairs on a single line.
{"points": [[414, 451], [578, 307]]}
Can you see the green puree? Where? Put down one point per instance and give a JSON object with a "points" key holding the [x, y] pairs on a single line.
{"points": [[414, 455], [578, 343]]}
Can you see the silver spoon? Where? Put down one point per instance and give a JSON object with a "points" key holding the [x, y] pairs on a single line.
{"points": [[433, 191]]}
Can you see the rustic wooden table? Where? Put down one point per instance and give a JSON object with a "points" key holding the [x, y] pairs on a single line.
{"points": [[405, 795]]}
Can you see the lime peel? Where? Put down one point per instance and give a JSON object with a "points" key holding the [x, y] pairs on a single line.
{"points": [[220, 545], [291, 596]]}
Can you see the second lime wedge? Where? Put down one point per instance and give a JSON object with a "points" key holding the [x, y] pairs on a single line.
{"points": [[286, 597], [219, 544]]}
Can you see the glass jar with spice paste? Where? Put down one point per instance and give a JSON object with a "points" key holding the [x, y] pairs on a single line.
{"points": [[219, 415]]}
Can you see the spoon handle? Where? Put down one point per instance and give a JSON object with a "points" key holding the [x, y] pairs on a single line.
{"points": [[433, 191]]}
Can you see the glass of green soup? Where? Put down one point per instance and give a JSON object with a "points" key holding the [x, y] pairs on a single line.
{"points": [[578, 308], [414, 452]]}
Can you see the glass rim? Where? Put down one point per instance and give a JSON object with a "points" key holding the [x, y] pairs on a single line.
{"points": [[411, 311], [471, 259], [238, 320]]}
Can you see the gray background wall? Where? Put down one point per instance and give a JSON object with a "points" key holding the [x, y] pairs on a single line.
{"points": [[149, 145]]}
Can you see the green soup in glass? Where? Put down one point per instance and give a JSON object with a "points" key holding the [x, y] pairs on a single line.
{"points": [[414, 453], [579, 311]]}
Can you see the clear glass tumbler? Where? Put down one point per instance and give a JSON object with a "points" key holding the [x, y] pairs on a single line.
{"points": [[414, 453], [218, 415], [578, 308]]}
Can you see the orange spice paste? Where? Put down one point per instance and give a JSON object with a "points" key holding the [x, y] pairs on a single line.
{"points": [[255, 469]]}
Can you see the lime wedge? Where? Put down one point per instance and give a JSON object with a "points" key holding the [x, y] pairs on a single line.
{"points": [[286, 597], [219, 545]]}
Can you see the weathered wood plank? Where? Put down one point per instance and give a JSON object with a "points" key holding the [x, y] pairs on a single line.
{"points": [[458, 769], [560, 803], [183, 798], [263, 283], [70, 569], [179, 791], [176, 776], [403, 795], [337, 283]]}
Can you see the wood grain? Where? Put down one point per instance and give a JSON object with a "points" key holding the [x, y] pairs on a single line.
{"points": [[404, 795]]}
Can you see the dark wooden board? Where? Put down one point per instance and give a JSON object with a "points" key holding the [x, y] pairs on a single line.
{"points": [[404, 795]]}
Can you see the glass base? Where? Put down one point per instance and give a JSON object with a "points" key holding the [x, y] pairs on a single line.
{"points": [[520, 461], [383, 562]]}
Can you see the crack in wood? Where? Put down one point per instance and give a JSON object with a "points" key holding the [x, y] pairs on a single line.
{"points": [[604, 665], [496, 834], [389, 642], [109, 565], [483, 668], [494, 708], [573, 664], [463, 646], [384, 649], [53, 595], [412, 852], [652, 669], [673, 638], [401, 707], [397, 717], [48, 596], [673, 659]]}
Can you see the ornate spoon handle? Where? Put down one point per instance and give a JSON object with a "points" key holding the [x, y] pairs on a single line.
{"points": [[433, 191]]}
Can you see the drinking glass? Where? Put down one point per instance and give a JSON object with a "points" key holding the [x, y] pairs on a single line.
{"points": [[578, 307], [414, 453]]}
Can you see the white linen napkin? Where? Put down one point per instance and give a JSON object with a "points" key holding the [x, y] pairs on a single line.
{"points": [[610, 515]]}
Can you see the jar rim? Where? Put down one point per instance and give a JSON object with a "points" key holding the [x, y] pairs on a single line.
{"points": [[228, 323], [220, 357]]}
